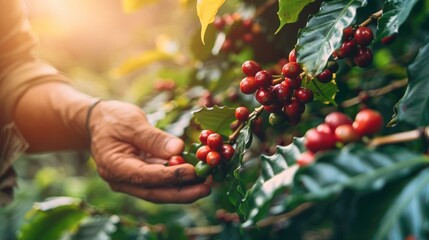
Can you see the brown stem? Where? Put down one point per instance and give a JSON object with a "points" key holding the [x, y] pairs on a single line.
{"points": [[400, 137], [264, 7], [203, 231], [277, 81], [374, 17], [233, 137], [273, 219], [376, 92]]}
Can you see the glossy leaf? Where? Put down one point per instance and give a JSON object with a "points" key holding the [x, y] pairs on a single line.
{"points": [[395, 12], [289, 10], [206, 10], [354, 167], [130, 6], [97, 228], [413, 106], [277, 172], [397, 211], [66, 213], [323, 32], [216, 118]]}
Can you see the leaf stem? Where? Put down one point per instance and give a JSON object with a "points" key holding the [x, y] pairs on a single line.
{"points": [[400, 137]]}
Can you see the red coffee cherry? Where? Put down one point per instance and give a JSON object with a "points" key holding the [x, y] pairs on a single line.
{"points": [[227, 45], [292, 56], [348, 48], [291, 70], [325, 76], [324, 127], [247, 24], [263, 79], [389, 39], [248, 85], [213, 159], [294, 108], [250, 68], [219, 23], [242, 114], [368, 122], [274, 108], [264, 96], [316, 141], [292, 83], [305, 159], [363, 57], [348, 32], [214, 141], [332, 66], [227, 151], [346, 134], [335, 119], [203, 136], [282, 93], [304, 95], [202, 152], [176, 160], [248, 38], [363, 36]]}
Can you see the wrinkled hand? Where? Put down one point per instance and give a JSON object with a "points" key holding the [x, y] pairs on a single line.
{"points": [[130, 154]]}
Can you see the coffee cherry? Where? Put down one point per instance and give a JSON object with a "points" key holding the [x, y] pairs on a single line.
{"points": [[325, 76], [248, 85], [227, 46], [248, 38], [247, 24], [250, 68], [263, 79], [389, 39], [214, 141], [332, 66], [282, 93], [305, 159], [213, 159], [176, 160], [227, 151], [318, 141], [368, 122], [274, 108], [291, 70], [292, 83], [363, 36], [294, 108], [202, 169], [202, 152], [292, 56], [203, 136], [348, 48], [363, 57], [264, 96], [304, 95], [346, 134], [335, 119], [348, 32], [219, 23], [242, 114], [324, 127], [277, 119]]}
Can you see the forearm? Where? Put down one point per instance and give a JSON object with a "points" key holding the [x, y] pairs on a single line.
{"points": [[51, 117]]}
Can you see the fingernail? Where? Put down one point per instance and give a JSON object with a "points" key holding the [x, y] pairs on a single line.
{"points": [[173, 145]]}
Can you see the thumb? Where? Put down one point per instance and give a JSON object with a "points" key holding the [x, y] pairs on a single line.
{"points": [[157, 142]]}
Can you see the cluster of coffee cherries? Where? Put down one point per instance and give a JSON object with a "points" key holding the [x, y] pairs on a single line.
{"points": [[238, 31], [339, 129], [213, 154], [283, 97], [355, 46]]}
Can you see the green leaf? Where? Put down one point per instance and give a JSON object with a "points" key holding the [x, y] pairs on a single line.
{"points": [[395, 12], [355, 167], [323, 33], [52, 218], [413, 107], [289, 10], [97, 228], [237, 187], [206, 10], [130, 6], [323, 92], [397, 211], [216, 119], [277, 172]]}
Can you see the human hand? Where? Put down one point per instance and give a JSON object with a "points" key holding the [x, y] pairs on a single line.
{"points": [[130, 153]]}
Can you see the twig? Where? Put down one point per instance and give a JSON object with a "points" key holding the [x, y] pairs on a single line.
{"points": [[376, 92], [233, 137], [400, 137], [374, 17], [264, 7]]}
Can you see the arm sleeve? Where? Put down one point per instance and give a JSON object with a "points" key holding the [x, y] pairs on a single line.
{"points": [[19, 71]]}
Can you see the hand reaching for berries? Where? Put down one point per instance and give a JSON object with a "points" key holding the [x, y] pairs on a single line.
{"points": [[130, 155]]}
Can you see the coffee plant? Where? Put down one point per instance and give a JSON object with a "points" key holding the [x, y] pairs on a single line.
{"points": [[311, 123]]}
